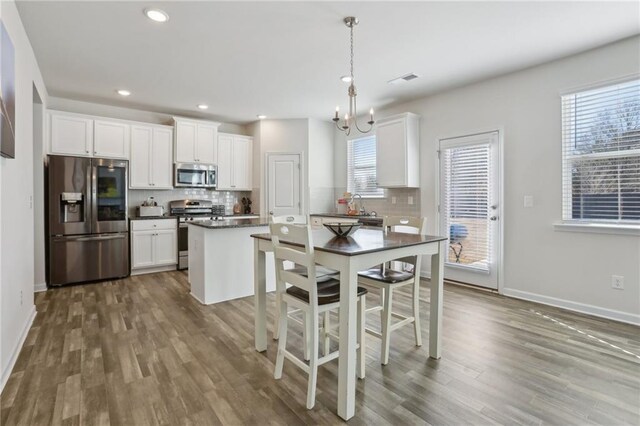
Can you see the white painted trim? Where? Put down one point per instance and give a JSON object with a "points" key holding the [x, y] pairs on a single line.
{"points": [[40, 287], [574, 306], [154, 269], [16, 350], [197, 298], [597, 228]]}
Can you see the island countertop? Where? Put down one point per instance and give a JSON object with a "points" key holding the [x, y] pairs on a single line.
{"points": [[232, 223]]}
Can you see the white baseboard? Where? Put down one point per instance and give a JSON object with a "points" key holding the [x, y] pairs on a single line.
{"points": [[574, 306], [16, 350], [40, 287], [565, 304]]}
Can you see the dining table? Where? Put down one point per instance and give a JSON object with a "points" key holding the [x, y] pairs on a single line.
{"points": [[359, 251]]}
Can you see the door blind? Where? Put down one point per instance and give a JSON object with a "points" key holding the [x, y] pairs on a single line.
{"points": [[361, 167], [467, 183], [601, 154]]}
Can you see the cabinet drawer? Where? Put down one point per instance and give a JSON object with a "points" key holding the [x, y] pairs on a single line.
{"points": [[153, 224]]}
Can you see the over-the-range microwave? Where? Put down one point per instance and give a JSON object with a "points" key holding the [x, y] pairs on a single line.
{"points": [[194, 175]]}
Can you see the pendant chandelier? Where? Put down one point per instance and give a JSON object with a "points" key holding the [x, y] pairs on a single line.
{"points": [[351, 118]]}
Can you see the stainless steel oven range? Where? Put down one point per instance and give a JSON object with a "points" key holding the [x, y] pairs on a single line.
{"points": [[190, 211]]}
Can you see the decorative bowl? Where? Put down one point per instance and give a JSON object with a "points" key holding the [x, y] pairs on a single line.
{"points": [[343, 229]]}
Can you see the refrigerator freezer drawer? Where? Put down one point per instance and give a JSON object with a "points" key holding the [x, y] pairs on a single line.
{"points": [[83, 258]]}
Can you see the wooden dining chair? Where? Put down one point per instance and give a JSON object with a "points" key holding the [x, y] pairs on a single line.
{"points": [[387, 279], [312, 298], [322, 274]]}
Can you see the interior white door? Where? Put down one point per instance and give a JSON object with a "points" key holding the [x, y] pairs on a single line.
{"points": [[283, 193], [470, 207]]}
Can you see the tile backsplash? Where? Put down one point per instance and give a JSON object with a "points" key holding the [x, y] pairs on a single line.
{"points": [[385, 206], [227, 198]]}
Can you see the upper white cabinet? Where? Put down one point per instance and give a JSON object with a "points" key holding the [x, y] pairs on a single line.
{"points": [[111, 139], [70, 134], [235, 162], [86, 136], [151, 162], [195, 141], [398, 151]]}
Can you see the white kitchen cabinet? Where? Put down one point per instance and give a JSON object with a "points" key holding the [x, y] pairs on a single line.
{"points": [[318, 221], [111, 139], [398, 151], [195, 141], [70, 134], [154, 245], [235, 162], [151, 164]]}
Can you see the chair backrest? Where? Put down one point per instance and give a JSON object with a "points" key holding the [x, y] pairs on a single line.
{"points": [[415, 225], [290, 218], [301, 254], [405, 223]]}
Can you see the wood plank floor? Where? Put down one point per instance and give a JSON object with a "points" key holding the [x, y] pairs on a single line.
{"points": [[142, 351]]}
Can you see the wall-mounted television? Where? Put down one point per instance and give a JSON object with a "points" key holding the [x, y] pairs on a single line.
{"points": [[7, 95]]}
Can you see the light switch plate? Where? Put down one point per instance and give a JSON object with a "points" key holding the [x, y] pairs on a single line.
{"points": [[410, 200], [393, 200], [528, 201]]}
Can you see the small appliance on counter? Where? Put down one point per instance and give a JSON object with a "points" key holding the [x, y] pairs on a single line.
{"points": [[150, 208]]}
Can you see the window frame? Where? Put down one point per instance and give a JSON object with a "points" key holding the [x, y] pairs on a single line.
{"points": [[568, 134], [381, 193]]}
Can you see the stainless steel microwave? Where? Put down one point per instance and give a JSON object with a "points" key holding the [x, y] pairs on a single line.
{"points": [[188, 175]]}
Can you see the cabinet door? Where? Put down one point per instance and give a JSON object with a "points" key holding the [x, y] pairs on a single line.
{"points": [[161, 159], [166, 247], [140, 164], [242, 152], [391, 147], [186, 142], [225, 163], [206, 144], [111, 139], [142, 247], [71, 135]]}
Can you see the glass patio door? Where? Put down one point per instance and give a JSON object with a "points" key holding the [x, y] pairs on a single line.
{"points": [[470, 208]]}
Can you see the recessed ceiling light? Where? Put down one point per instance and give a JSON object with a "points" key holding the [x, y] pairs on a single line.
{"points": [[346, 78], [203, 106], [123, 92], [156, 15], [261, 116]]}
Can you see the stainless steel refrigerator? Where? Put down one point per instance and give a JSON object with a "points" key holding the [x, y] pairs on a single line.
{"points": [[88, 219]]}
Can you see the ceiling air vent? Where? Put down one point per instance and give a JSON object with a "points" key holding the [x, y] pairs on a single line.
{"points": [[403, 78]]}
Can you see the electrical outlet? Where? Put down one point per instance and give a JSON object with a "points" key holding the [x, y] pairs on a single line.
{"points": [[410, 200], [617, 282], [393, 200], [20, 297]]}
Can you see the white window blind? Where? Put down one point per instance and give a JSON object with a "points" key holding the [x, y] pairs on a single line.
{"points": [[361, 167], [467, 183], [601, 154]]}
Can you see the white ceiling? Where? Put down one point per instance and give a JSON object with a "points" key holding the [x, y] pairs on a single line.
{"points": [[284, 59]]}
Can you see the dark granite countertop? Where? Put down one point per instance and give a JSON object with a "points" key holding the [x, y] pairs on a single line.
{"points": [[232, 223], [153, 217], [364, 219]]}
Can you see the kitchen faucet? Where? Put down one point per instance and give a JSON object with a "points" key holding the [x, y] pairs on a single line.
{"points": [[361, 211]]}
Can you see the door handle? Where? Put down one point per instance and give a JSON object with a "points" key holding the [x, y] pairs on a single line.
{"points": [[99, 238], [494, 218]]}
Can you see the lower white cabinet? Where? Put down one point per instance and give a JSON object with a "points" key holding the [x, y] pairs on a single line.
{"points": [[154, 245]]}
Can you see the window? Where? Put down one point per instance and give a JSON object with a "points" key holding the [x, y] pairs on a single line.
{"points": [[361, 167], [601, 154]]}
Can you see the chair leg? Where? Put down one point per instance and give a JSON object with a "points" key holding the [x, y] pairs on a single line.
{"points": [[416, 310], [306, 333], [276, 320], [282, 342], [361, 337], [386, 325], [313, 361], [326, 328]]}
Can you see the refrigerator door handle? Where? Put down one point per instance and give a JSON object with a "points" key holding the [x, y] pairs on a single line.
{"points": [[96, 238]]}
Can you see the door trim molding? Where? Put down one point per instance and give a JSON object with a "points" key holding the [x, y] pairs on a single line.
{"points": [[475, 132], [264, 203]]}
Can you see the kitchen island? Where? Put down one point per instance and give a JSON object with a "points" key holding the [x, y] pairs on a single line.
{"points": [[221, 259]]}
